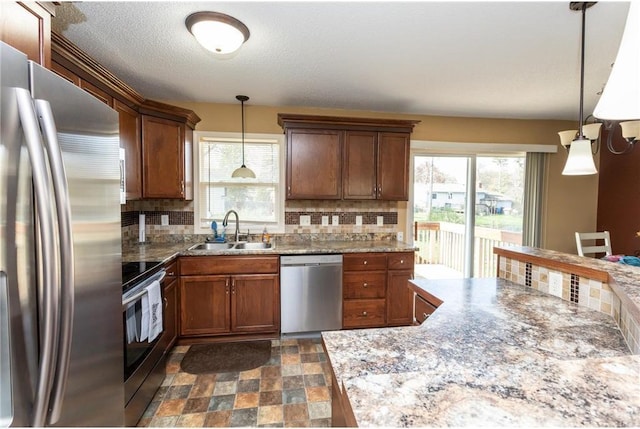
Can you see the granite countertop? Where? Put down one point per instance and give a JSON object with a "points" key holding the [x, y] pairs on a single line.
{"points": [[167, 251], [494, 353]]}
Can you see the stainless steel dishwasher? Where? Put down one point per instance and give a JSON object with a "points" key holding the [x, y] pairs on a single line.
{"points": [[310, 293]]}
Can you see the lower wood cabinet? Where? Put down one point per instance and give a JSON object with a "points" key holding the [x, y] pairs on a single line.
{"points": [[375, 291], [170, 317], [221, 295]]}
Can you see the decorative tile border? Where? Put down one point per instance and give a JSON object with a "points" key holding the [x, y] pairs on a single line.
{"points": [[585, 292]]}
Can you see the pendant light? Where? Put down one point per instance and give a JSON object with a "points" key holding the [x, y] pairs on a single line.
{"points": [[243, 172], [620, 100], [580, 159]]}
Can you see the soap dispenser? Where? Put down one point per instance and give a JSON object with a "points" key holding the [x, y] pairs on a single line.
{"points": [[265, 236]]}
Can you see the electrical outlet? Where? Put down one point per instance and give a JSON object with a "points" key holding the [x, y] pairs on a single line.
{"points": [[164, 220], [325, 220], [335, 220], [400, 236], [358, 220], [380, 220], [305, 220], [555, 284]]}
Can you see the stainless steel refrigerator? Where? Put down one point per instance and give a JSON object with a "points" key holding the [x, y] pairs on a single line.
{"points": [[61, 344]]}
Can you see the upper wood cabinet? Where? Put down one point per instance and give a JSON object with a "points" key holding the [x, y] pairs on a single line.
{"points": [[27, 27], [313, 164], [347, 158], [162, 158], [157, 137]]}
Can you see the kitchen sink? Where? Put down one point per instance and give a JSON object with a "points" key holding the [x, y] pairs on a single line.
{"points": [[252, 246], [212, 246], [232, 246]]}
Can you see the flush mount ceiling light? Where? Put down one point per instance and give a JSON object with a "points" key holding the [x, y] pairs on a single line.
{"points": [[620, 100], [217, 32], [580, 159], [243, 172]]}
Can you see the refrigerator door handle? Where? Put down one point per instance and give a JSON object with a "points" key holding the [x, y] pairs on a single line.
{"points": [[6, 401], [44, 223], [63, 210]]}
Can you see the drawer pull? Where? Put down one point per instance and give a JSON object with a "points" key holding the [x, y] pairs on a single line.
{"points": [[364, 285], [364, 313], [425, 315], [171, 273]]}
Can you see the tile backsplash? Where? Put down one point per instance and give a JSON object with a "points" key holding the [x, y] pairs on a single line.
{"points": [[181, 217]]}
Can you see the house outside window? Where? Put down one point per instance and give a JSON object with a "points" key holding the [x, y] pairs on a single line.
{"points": [[259, 202]]}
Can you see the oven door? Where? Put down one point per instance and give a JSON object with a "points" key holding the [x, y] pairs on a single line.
{"points": [[140, 356]]}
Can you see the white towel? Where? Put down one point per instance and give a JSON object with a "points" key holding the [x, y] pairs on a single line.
{"points": [[131, 323], [155, 310]]}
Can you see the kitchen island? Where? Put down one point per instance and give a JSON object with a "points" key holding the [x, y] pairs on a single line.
{"points": [[494, 353]]}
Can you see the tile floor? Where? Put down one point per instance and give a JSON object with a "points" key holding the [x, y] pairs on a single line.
{"points": [[291, 390]]}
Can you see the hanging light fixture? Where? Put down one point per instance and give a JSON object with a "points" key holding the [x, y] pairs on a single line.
{"points": [[219, 33], [242, 171], [580, 159], [620, 100]]}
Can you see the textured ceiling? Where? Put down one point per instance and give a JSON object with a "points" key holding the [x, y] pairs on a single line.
{"points": [[481, 59]]}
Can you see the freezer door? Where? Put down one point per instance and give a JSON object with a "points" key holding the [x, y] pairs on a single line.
{"points": [[87, 133], [19, 347]]}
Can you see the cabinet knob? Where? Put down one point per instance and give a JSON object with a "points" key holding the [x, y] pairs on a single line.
{"points": [[402, 261], [365, 285], [425, 315], [365, 262], [364, 313], [171, 273]]}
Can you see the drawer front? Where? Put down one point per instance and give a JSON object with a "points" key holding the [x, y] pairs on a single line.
{"points": [[205, 265], [361, 313], [423, 309], [171, 270], [364, 262], [400, 261], [363, 285]]}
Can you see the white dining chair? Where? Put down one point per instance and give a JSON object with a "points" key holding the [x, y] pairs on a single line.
{"points": [[596, 242]]}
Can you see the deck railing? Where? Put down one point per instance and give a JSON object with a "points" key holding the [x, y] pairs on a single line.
{"points": [[443, 243]]}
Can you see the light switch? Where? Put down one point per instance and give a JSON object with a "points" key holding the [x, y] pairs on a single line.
{"points": [[335, 220], [305, 220], [358, 220], [380, 220], [555, 284], [325, 220], [164, 220]]}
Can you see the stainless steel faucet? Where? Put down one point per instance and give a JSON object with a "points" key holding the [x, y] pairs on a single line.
{"points": [[225, 222]]}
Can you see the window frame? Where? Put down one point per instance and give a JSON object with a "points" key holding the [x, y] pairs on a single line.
{"points": [[253, 227]]}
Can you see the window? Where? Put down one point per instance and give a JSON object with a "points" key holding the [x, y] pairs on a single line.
{"points": [[259, 202]]}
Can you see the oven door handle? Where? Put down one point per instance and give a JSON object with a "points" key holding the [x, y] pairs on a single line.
{"points": [[143, 289]]}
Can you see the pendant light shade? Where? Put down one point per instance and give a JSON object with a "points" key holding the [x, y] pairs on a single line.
{"points": [[243, 172], [580, 159], [620, 99]]}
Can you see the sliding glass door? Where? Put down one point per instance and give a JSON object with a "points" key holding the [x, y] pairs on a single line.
{"points": [[463, 206]]}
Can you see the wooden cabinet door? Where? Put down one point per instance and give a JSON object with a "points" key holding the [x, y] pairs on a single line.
{"points": [[170, 316], [393, 166], [399, 298], [205, 303], [65, 73], [97, 92], [359, 165], [162, 158], [27, 27], [255, 303], [132, 144], [314, 164]]}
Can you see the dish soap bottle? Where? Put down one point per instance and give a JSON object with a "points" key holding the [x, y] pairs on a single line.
{"points": [[265, 236]]}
